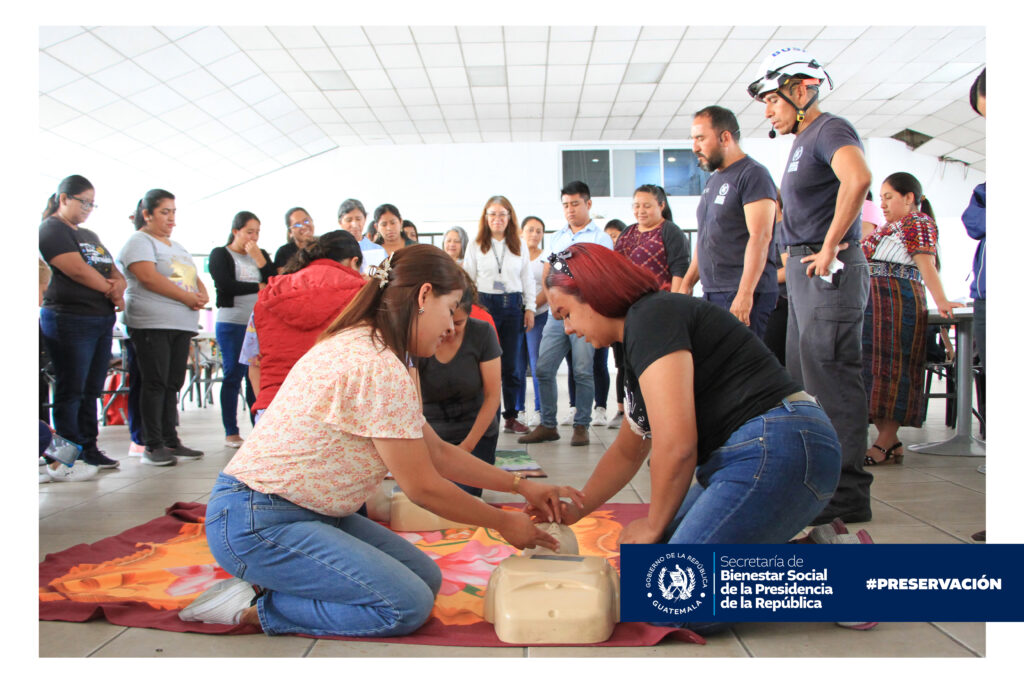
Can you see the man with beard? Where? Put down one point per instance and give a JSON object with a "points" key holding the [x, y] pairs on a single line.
{"points": [[734, 223]]}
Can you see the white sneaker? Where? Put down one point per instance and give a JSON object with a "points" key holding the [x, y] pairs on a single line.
{"points": [[569, 417], [80, 471], [521, 417], [233, 441], [44, 471], [136, 450], [534, 419], [599, 418], [221, 603]]}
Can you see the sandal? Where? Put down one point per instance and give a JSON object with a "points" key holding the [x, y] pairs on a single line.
{"points": [[889, 453]]}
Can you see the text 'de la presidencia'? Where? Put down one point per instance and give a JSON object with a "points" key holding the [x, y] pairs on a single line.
{"points": [[805, 582]]}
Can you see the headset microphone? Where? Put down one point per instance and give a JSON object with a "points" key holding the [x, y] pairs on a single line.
{"points": [[772, 133]]}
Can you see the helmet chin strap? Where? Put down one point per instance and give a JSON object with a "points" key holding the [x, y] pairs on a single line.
{"points": [[801, 112]]}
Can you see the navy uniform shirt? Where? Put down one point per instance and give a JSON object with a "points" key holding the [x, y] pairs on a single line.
{"points": [[722, 233], [810, 186]]}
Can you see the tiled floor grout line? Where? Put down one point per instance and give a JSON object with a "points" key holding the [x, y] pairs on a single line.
{"points": [[922, 521], [739, 639], [109, 641], [958, 641]]}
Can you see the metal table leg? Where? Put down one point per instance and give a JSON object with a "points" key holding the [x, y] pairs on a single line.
{"points": [[962, 443]]}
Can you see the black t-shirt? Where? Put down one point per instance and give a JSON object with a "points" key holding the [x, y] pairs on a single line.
{"points": [[810, 186], [722, 233], [453, 391], [64, 295], [735, 376], [284, 253]]}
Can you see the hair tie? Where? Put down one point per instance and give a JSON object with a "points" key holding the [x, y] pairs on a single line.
{"points": [[381, 272]]}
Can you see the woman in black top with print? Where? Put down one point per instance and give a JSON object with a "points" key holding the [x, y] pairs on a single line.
{"points": [[461, 384], [77, 317], [711, 398]]}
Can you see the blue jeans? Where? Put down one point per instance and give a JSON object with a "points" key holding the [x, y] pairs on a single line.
{"points": [[764, 304], [79, 348], [507, 311], [134, 392], [602, 380], [323, 576], [766, 483], [229, 338], [528, 354], [554, 345]]}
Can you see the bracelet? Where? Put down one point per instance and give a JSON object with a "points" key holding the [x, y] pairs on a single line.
{"points": [[516, 478]]}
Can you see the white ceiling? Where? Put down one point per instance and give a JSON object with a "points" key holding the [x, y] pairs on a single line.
{"points": [[222, 105]]}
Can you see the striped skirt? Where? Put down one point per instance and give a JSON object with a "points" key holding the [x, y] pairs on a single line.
{"points": [[895, 325]]}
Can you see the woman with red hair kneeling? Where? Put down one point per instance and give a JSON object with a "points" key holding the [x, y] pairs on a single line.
{"points": [[710, 397]]}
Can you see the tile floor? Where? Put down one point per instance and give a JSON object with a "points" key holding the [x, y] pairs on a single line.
{"points": [[928, 499]]}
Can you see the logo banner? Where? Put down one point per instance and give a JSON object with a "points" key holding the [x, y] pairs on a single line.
{"points": [[806, 582]]}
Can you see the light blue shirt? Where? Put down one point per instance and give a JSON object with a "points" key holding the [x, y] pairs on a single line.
{"points": [[565, 238], [373, 254]]}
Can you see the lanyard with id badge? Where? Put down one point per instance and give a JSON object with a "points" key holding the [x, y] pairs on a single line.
{"points": [[499, 283]]}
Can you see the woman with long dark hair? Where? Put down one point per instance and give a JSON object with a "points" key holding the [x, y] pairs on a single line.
{"points": [[654, 242], [77, 315], [500, 267], [902, 262], [163, 298], [388, 222], [349, 412], [713, 402], [240, 269]]}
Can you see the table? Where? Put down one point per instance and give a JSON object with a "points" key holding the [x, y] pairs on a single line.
{"points": [[962, 443]]}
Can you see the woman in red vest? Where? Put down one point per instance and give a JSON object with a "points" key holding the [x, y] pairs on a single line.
{"points": [[296, 306]]}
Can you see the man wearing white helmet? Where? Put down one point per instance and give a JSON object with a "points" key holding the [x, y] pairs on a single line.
{"points": [[824, 184]]}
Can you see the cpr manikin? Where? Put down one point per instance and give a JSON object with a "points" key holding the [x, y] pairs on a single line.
{"points": [[541, 597]]}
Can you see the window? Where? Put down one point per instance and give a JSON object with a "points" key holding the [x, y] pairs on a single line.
{"points": [[632, 168], [683, 177], [590, 166], [618, 172]]}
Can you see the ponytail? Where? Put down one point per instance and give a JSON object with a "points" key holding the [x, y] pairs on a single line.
{"points": [[52, 204]]}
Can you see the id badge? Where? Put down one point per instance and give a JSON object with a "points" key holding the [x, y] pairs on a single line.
{"points": [[499, 286]]}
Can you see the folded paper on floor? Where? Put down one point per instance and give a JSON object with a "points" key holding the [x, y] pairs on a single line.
{"points": [[145, 575]]}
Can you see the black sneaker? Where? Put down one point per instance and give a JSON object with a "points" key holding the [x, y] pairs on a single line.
{"points": [[851, 517], [161, 457], [182, 451], [94, 456]]}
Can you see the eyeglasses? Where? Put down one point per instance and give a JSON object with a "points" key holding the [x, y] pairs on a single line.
{"points": [[497, 214], [303, 224], [88, 206]]}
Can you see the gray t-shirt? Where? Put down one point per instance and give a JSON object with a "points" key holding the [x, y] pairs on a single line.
{"points": [[810, 187], [246, 270], [453, 391], [722, 234], [145, 309]]}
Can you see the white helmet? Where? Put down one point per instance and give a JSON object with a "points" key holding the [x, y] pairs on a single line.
{"points": [[782, 65]]}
